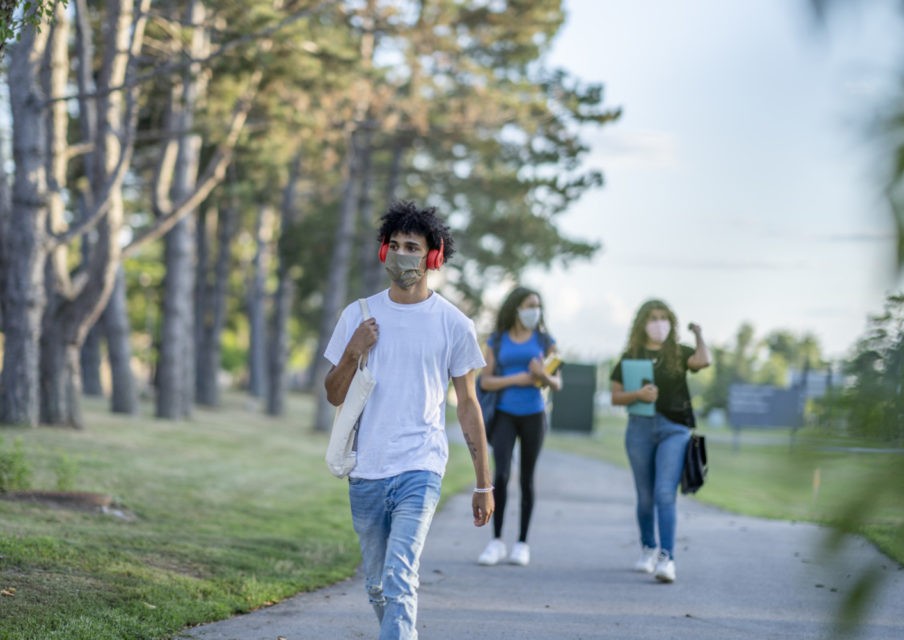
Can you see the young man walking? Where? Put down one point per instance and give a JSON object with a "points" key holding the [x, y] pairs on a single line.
{"points": [[417, 341]]}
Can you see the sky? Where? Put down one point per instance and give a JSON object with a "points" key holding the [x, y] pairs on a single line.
{"points": [[742, 183]]}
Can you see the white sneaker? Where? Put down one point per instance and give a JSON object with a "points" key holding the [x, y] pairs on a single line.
{"points": [[647, 561], [520, 554], [494, 552], [665, 568]]}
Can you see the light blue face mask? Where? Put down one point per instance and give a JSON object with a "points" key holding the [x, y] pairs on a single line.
{"points": [[404, 269], [530, 317]]}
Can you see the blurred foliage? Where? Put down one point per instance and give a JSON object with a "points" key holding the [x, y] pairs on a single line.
{"points": [[770, 360], [889, 130], [871, 403], [14, 15], [65, 469], [862, 514], [866, 400], [15, 471]]}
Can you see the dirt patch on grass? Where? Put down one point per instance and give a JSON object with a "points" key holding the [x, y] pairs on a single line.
{"points": [[76, 500]]}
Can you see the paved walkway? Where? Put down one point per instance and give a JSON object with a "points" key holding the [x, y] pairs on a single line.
{"points": [[738, 577]]}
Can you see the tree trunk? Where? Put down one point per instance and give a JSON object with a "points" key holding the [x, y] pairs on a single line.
{"points": [[176, 360], [52, 367], [4, 221], [83, 298], [278, 345], [61, 343], [175, 364], [71, 320], [335, 294], [25, 250], [209, 357], [226, 230], [395, 171], [55, 78], [84, 43], [66, 323], [55, 386], [61, 394], [202, 308], [118, 330], [370, 269], [90, 357], [256, 300], [99, 166], [89, 362]]}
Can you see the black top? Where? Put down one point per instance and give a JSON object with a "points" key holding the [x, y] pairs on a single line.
{"points": [[674, 400]]}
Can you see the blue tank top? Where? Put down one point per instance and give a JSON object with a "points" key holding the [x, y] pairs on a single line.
{"points": [[514, 358]]}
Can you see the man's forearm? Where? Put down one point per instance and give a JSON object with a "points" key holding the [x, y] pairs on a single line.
{"points": [[339, 379], [475, 437]]}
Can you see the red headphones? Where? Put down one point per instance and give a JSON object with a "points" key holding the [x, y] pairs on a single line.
{"points": [[435, 257]]}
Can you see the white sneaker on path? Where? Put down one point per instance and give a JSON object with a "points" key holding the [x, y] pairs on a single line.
{"points": [[665, 568], [520, 554], [647, 561], [493, 554]]}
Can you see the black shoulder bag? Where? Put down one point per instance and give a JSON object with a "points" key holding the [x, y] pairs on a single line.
{"points": [[488, 399], [695, 466]]}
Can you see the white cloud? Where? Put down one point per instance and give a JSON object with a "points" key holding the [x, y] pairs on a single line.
{"points": [[619, 148], [589, 320]]}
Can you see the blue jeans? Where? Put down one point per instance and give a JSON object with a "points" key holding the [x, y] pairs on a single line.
{"points": [[656, 447], [391, 517]]}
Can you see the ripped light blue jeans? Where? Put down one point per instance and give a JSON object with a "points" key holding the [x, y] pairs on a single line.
{"points": [[656, 447], [391, 517]]}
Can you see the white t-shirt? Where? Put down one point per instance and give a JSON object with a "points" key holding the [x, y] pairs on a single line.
{"points": [[420, 346]]}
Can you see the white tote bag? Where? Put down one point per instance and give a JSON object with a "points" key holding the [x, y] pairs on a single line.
{"points": [[341, 455]]}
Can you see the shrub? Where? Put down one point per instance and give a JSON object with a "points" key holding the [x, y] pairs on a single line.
{"points": [[65, 469], [15, 472]]}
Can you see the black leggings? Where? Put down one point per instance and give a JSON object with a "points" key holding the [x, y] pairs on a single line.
{"points": [[506, 429]]}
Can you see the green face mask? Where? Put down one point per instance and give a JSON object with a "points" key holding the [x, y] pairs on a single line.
{"points": [[404, 270]]}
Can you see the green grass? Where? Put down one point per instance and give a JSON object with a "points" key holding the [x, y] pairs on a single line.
{"points": [[782, 475], [226, 512], [231, 511]]}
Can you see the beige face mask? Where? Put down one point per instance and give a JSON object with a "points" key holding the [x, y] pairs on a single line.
{"points": [[404, 270]]}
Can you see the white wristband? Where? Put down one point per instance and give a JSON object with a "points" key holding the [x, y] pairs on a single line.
{"points": [[484, 489]]}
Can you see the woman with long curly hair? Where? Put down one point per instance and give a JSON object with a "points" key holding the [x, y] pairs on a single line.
{"points": [[519, 344], [656, 444]]}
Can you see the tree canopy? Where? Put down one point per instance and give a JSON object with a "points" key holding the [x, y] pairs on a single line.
{"points": [[231, 158]]}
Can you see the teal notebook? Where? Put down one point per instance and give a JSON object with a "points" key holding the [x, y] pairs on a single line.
{"points": [[634, 373]]}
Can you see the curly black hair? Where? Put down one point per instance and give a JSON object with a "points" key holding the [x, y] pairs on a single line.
{"points": [[406, 217]]}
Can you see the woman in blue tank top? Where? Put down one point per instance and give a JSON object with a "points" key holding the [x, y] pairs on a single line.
{"points": [[519, 345]]}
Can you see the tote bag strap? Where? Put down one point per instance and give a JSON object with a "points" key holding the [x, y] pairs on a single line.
{"points": [[365, 313]]}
